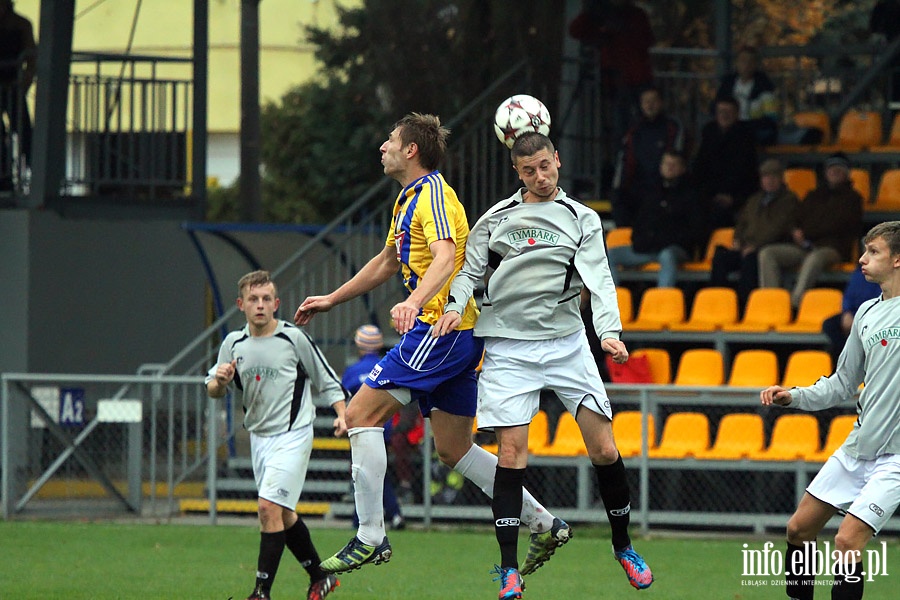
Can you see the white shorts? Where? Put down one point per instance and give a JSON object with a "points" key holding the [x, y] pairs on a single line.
{"points": [[867, 489], [515, 372], [280, 463]]}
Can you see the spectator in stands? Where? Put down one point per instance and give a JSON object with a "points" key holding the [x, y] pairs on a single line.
{"points": [[666, 227], [621, 32], [637, 172], [17, 68], [885, 20], [725, 165], [767, 218], [755, 94], [837, 328], [828, 222]]}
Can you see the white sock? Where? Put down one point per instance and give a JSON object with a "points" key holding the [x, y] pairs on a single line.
{"points": [[478, 466], [368, 466]]}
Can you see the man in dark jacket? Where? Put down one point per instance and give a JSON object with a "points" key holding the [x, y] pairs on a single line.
{"points": [[828, 224], [755, 94]]}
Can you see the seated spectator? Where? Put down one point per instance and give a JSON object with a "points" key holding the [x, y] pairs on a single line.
{"points": [[755, 94], [666, 227], [637, 172], [767, 218], [837, 328], [828, 222], [725, 165]]}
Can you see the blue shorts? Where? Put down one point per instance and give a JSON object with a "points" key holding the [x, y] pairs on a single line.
{"points": [[439, 373]]}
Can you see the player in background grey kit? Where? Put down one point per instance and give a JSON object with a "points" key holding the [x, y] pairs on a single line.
{"points": [[541, 249], [279, 373], [862, 478]]}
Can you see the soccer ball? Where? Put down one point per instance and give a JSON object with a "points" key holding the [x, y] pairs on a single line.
{"points": [[519, 114]]}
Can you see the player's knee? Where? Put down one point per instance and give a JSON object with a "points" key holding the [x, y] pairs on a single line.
{"points": [[603, 453], [269, 514], [799, 532]]}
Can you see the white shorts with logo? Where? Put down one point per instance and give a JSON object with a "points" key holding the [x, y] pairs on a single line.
{"points": [[280, 463], [515, 372], [867, 489]]}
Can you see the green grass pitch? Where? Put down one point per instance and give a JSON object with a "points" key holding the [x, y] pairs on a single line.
{"points": [[79, 560]]}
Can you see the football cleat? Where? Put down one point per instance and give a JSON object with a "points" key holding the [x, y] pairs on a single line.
{"points": [[355, 554], [259, 594], [321, 588], [511, 584], [542, 545], [639, 574]]}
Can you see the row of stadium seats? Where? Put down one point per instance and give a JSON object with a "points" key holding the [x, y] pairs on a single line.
{"points": [[859, 130], [802, 180], [713, 309], [751, 368]]}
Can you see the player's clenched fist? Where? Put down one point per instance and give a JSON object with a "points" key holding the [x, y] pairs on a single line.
{"points": [[225, 372], [775, 394]]}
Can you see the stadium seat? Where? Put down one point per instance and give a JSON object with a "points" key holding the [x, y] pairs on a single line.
{"points": [[754, 368], [862, 183], [838, 430], [538, 432], [627, 427], [700, 366], [684, 434], [740, 435], [794, 437], [816, 305], [493, 448], [815, 119], [893, 141], [805, 367], [567, 441], [626, 304], [767, 308], [712, 308], [660, 364], [723, 236], [800, 181], [888, 196], [620, 236], [659, 308], [857, 130]]}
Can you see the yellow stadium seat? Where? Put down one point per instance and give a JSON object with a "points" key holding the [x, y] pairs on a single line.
{"points": [[838, 430], [862, 183], [794, 437], [538, 432], [800, 181], [660, 364], [713, 307], [740, 435], [888, 196], [805, 367], [766, 309], [626, 304], [659, 308], [567, 441], [816, 305], [700, 366], [893, 141], [684, 434], [754, 368], [857, 130], [627, 427], [723, 236], [620, 236]]}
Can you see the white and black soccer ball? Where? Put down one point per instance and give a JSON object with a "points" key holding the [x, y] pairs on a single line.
{"points": [[519, 114]]}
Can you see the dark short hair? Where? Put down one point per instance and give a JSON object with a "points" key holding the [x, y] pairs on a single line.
{"points": [[728, 99], [530, 143], [427, 133], [254, 279], [889, 231]]}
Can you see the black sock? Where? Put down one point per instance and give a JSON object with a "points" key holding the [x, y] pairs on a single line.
{"points": [[849, 586], [299, 542], [507, 507], [271, 545], [799, 586], [616, 500]]}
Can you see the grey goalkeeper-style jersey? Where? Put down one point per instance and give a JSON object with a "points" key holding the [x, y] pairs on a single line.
{"points": [[279, 378], [871, 355], [539, 256]]}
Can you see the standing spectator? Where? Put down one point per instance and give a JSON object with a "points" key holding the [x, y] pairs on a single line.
{"points": [[637, 173], [755, 94], [767, 218], [837, 328], [17, 68], [725, 165], [621, 32], [667, 225], [827, 226]]}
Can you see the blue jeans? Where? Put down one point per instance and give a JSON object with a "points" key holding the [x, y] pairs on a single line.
{"points": [[668, 258]]}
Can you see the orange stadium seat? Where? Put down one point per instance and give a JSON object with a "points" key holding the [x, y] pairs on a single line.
{"points": [[862, 183], [767, 308], [800, 181], [660, 364], [684, 434], [838, 430], [794, 437], [805, 367], [538, 432], [816, 305], [567, 441], [754, 368], [626, 304], [627, 429], [620, 236], [723, 236], [816, 119], [740, 435], [713, 307], [893, 141], [700, 366], [888, 196], [857, 130], [659, 308]]}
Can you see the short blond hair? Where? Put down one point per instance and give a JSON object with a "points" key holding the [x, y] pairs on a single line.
{"points": [[254, 279]]}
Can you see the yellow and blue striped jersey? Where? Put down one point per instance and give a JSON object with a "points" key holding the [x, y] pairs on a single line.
{"points": [[427, 210]]}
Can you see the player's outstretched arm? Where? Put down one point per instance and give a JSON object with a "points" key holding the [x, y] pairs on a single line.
{"points": [[775, 394], [446, 323], [217, 386]]}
